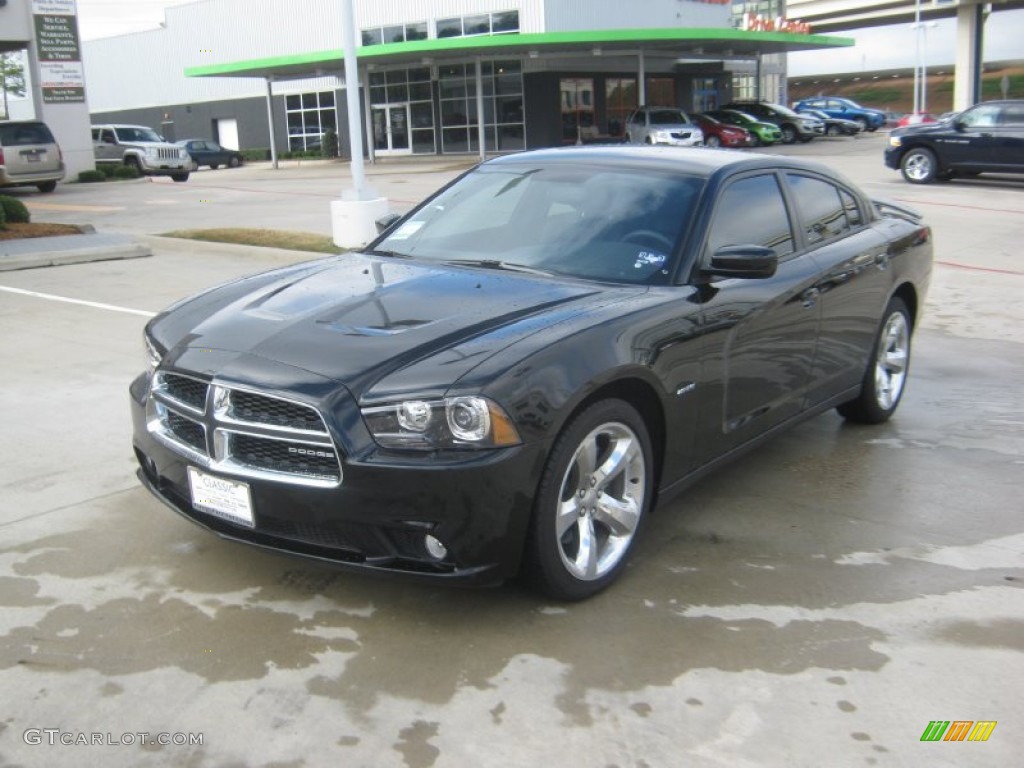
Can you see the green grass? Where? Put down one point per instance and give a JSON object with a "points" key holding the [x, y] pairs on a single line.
{"points": [[264, 238]]}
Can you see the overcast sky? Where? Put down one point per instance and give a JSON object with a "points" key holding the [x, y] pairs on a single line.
{"points": [[877, 48]]}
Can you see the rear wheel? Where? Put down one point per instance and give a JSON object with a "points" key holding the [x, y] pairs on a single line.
{"points": [[214, 166], [863, 122], [46, 186], [234, 162], [919, 166], [886, 374], [594, 493], [788, 134]]}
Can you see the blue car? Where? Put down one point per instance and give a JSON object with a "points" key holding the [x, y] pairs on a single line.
{"points": [[833, 106]]}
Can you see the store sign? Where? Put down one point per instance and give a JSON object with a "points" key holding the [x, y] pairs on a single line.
{"points": [[61, 74], [753, 22]]}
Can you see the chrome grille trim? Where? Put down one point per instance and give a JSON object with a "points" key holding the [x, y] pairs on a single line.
{"points": [[174, 419]]}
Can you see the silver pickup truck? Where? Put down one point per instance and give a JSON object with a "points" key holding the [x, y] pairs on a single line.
{"points": [[142, 148]]}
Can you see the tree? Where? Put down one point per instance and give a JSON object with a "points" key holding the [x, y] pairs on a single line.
{"points": [[12, 78]]}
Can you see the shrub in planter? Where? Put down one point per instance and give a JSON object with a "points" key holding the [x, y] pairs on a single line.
{"points": [[3, 220], [107, 169], [90, 177], [126, 172], [14, 210]]}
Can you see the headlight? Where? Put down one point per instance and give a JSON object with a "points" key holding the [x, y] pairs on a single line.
{"points": [[663, 135], [895, 141], [151, 152], [182, 153], [455, 422], [153, 354]]}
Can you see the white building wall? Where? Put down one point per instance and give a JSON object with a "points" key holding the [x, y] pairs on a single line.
{"points": [[370, 13], [567, 15]]}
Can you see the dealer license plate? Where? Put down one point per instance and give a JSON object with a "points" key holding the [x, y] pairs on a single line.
{"points": [[227, 499]]}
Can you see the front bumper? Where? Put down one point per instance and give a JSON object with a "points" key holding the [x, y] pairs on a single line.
{"points": [[892, 156], [477, 504]]}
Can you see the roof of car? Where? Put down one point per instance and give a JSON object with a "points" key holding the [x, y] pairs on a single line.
{"points": [[699, 161]]}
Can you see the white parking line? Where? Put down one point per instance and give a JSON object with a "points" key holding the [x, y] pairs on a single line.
{"points": [[80, 302]]}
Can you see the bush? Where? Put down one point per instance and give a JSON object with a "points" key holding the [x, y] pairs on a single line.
{"points": [[14, 210], [329, 148], [3, 220], [256, 155], [126, 172], [90, 177], [107, 169]]}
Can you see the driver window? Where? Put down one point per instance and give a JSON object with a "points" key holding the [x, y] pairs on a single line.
{"points": [[751, 211]]}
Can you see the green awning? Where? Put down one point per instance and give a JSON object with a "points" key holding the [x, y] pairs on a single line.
{"points": [[712, 42]]}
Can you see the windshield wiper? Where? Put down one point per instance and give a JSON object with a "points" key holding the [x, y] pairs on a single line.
{"points": [[390, 254], [504, 266]]}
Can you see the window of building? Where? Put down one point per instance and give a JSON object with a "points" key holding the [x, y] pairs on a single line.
{"points": [[397, 33], [620, 99], [309, 116], [661, 92], [402, 111], [577, 108], [504, 127], [498, 23]]}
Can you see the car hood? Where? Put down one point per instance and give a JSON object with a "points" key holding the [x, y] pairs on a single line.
{"points": [[940, 126], [356, 318]]}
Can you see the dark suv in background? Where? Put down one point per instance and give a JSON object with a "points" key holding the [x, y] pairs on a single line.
{"points": [[987, 138], [29, 156], [794, 127]]}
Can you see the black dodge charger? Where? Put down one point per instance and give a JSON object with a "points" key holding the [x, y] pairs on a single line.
{"points": [[510, 377]]}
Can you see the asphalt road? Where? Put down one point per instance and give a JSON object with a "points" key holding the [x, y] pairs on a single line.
{"points": [[818, 602]]}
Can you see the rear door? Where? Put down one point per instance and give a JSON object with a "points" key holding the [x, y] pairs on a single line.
{"points": [[29, 149]]}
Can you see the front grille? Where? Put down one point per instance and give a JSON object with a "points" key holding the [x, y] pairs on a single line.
{"points": [[681, 135], [185, 389], [187, 431], [284, 456], [260, 409], [167, 154], [241, 432]]}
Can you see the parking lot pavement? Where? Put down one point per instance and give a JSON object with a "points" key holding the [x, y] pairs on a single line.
{"points": [[818, 602]]}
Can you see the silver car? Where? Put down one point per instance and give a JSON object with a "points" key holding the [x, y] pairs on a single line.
{"points": [[29, 156], [663, 125]]}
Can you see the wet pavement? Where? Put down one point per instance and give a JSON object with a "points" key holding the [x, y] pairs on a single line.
{"points": [[818, 602]]}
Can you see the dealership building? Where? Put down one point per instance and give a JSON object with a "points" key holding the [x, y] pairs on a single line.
{"points": [[436, 77]]}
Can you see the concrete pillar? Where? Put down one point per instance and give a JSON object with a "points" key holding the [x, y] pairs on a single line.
{"points": [[481, 129], [641, 79], [969, 45], [270, 121]]}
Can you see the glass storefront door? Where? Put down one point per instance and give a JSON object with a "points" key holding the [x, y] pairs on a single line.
{"points": [[391, 129]]}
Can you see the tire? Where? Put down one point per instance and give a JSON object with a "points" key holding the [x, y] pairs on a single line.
{"points": [[832, 130], [214, 166], [234, 162], [863, 123], [788, 134], [46, 186], [133, 162], [919, 166], [713, 141], [594, 494], [180, 176], [886, 375]]}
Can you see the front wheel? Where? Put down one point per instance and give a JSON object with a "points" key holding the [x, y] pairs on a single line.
{"points": [[788, 134], [594, 493], [886, 374], [180, 176], [712, 141], [919, 166]]}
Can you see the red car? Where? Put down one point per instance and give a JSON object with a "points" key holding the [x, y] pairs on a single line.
{"points": [[718, 134], [915, 118]]}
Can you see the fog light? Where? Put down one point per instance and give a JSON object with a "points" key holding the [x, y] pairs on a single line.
{"points": [[435, 548]]}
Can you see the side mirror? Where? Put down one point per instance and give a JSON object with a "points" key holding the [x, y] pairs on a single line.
{"points": [[745, 261], [960, 125], [386, 222]]}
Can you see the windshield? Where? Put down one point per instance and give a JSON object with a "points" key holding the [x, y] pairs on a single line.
{"points": [[610, 224], [668, 117], [132, 133]]}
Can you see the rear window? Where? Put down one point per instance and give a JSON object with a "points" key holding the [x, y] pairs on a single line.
{"points": [[20, 134]]}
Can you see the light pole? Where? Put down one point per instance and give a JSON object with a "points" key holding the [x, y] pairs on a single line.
{"points": [[924, 62]]}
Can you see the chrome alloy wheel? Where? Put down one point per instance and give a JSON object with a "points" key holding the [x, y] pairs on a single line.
{"points": [[601, 500], [891, 361], [918, 167]]}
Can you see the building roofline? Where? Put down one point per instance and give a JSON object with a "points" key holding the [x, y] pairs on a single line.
{"points": [[714, 42]]}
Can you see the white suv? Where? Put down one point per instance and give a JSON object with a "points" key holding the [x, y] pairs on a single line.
{"points": [[663, 125], [141, 147]]}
